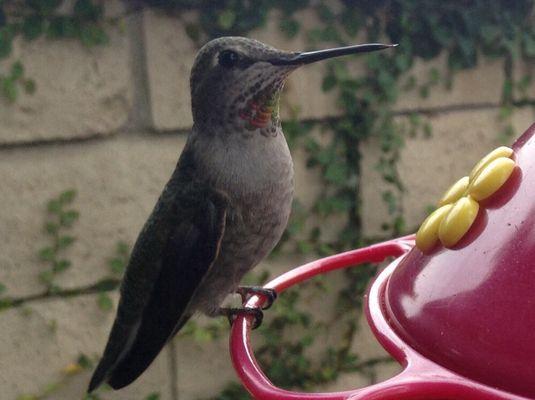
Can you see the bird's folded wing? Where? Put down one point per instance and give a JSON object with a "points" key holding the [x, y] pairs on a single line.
{"points": [[188, 251]]}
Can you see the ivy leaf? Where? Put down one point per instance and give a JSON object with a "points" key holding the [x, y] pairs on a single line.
{"points": [[410, 83], [93, 35], [329, 81], [153, 396], [61, 265], [390, 200], [62, 27], [226, 19], [54, 206], [325, 156], [9, 89], [399, 224], [529, 44], [104, 302], [67, 218], [490, 33], [51, 228], [85, 9], [117, 265], [17, 70], [325, 249], [5, 42], [434, 76], [51, 387], [67, 196], [47, 254], [325, 13], [29, 86], [32, 27], [65, 241], [46, 277], [424, 91], [304, 247], [27, 397], [84, 361], [428, 130], [44, 6], [193, 31], [507, 89], [352, 21], [289, 26], [402, 61], [332, 204], [122, 248], [5, 303], [524, 82], [463, 55], [336, 173]]}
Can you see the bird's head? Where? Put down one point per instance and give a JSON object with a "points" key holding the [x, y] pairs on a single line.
{"points": [[236, 82]]}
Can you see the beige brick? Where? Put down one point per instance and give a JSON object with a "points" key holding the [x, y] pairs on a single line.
{"points": [[365, 344], [118, 182], [428, 166], [38, 342], [386, 371], [345, 381], [195, 361], [80, 91]]}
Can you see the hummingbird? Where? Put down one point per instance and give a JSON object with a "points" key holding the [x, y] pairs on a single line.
{"points": [[222, 211]]}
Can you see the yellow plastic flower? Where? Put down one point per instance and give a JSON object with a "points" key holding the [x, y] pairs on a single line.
{"points": [[459, 206]]}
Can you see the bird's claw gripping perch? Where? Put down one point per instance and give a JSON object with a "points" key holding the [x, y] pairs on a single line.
{"points": [[232, 313], [246, 292]]}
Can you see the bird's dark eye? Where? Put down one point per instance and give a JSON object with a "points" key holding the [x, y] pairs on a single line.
{"points": [[228, 58]]}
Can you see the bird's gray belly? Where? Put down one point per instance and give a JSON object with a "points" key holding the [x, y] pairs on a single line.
{"points": [[252, 230]]}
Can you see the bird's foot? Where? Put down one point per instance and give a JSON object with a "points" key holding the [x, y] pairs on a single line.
{"points": [[232, 313], [246, 292]]}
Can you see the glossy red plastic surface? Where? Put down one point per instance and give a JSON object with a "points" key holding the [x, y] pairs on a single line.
{"points": [[420, 379], [471, 309]]}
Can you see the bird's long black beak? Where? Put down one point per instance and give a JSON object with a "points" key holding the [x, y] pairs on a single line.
{"points": [[313, 56]]}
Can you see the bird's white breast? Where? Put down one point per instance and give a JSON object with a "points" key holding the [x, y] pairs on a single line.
{"points": [[242, 166]]}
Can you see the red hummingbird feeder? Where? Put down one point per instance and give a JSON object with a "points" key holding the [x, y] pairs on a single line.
{"points": [[456, 307]]}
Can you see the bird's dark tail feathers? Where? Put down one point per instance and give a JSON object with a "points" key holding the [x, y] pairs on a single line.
{"points": [[120, 369], [119, 343]]}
